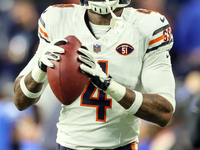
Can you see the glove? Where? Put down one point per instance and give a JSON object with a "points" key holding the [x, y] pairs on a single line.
{"points": [[93, 69], [98, 77], [39, 73], [49, 53]]}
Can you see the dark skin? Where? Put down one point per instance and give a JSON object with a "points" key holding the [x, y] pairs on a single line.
{"points": [[21, 101], [154, 107]]}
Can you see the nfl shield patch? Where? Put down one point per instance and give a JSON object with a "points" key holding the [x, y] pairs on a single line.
{"points": [[97, 48]]}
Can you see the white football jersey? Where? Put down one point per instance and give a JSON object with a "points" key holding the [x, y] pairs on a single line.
{"points": [[137, 57]]}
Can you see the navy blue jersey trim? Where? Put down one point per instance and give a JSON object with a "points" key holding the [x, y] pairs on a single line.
{"points": [[42, 22], [43, 38], [155, 48], [161, 29]]}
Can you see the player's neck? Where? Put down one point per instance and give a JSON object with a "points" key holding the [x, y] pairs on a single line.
{"points": [[102, 19]]}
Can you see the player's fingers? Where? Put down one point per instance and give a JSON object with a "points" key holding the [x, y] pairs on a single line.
{"points": [[56, 49], [86, 53], [87, 69], [47, 62], [87, 61], [52, 56], [59, 42]]}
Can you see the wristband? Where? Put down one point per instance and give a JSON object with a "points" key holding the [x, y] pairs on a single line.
{"points": [[27, 92], [136, 104], [38, 75], [116, 90]]}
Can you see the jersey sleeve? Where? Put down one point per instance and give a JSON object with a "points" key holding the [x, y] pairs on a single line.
{"points": [[47, 25], [157, 76], [42, 26], [161, 38]]}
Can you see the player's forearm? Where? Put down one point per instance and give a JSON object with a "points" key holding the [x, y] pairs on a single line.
{"points": [[154, 108], [21, 101]]}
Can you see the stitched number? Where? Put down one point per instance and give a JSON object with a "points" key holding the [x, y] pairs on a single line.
{"points": [[167, 34], [93, 97], [145, 11]]}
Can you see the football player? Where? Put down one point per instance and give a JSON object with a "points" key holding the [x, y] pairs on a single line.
{"points": [[126, 56]]}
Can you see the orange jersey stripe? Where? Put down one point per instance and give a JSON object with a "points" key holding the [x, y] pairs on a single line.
{"points": [[44, 33], [134, 146], [156, 40]]}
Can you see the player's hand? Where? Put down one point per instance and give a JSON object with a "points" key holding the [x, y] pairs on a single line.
{"points": [[49, 53], [93, 69], [98, 77]]}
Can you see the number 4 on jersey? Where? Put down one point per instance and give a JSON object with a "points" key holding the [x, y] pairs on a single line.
{"points": [[100, 101]]}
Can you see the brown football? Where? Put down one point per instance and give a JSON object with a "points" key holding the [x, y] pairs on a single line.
{"points": [[66, 79]]}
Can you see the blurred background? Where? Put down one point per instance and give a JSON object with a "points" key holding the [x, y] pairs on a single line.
{"points": [[35, 128]]}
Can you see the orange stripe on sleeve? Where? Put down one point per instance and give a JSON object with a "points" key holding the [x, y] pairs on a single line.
{"points": [[44, 33], [156, 40], [133, 146]]}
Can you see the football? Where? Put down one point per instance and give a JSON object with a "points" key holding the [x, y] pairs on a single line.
{"points": [[66, 79]]}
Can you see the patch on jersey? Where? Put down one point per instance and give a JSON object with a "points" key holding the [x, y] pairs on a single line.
{"points": [[124, 49], [97, 48]]}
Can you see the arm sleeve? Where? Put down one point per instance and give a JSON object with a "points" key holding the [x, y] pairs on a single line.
{"points": [[157, 76]]}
